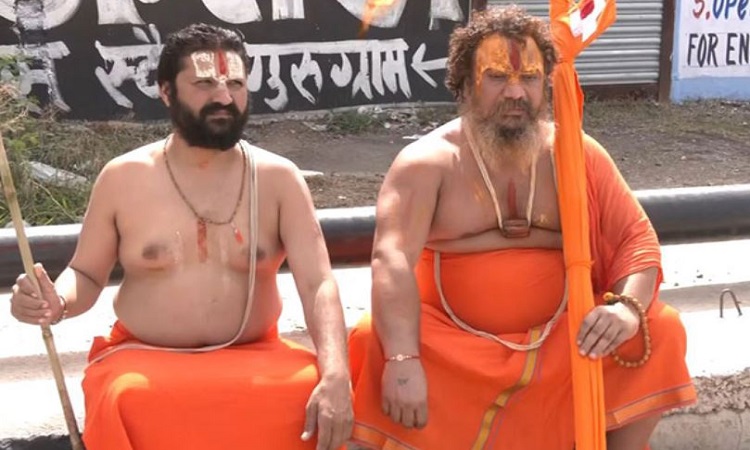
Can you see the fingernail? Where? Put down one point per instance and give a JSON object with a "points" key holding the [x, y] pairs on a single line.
{"points": [[33, 295], [47, 314], [593, 356], [305, 436], [45, 305], [582, 352]]}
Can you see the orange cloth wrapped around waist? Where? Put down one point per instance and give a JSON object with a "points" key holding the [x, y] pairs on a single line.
{"points": [[492, 397], [482, 292], [243, 396]]}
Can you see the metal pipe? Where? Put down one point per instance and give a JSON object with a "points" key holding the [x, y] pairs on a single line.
{"points": [[678, 215], [698, 213], [734, 299]]}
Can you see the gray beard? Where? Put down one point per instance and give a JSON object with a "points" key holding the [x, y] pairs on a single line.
{"points": [[501, 146]]}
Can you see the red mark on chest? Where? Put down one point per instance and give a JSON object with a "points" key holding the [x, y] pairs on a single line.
{"points": [[515, 55], [223, 66], [202, 241], [512, 204], [238, 235]]}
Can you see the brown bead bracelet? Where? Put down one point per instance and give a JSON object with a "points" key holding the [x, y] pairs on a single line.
{"points": [[611, 299]]}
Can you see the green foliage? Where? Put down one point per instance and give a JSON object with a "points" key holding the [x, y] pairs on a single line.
{"points": [[353, 122], [81, 148], [435, 115]]}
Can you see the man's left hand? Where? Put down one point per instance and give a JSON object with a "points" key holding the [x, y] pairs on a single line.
{"points": [[606, 327], [330, 410]]}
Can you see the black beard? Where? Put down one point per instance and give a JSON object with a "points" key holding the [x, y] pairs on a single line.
{"points": [[220, 134]]}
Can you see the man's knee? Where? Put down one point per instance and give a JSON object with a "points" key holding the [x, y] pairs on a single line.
{"points": [[666, 328], [665, 331], [128, 390], [361, 331]]}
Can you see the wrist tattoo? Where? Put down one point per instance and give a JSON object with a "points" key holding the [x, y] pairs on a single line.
{"points": [[402, 381]]}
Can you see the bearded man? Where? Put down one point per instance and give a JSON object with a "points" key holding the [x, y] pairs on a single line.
{"points": [[469, 342], [201, 222]]}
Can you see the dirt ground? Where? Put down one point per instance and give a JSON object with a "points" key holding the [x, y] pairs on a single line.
{"points": [[654, 145]]}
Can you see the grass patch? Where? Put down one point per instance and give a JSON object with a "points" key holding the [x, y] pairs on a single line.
{"points": [[436, 115], [82, 148], [352, 122], [719, 119]]}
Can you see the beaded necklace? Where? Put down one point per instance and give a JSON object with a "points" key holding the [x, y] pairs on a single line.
{"points": [[202, 221]]}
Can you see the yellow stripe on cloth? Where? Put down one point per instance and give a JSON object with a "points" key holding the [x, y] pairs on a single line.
{"points": [[502, 399]]}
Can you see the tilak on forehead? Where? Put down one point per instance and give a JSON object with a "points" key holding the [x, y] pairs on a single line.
{"points": [[220, 65], [509, 57]]}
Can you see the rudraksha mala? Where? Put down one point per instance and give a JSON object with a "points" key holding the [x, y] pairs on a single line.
{"points": [[633, 302]]}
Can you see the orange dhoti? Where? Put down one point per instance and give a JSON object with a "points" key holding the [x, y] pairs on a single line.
{"points": [[245, 396], [481, 394]]}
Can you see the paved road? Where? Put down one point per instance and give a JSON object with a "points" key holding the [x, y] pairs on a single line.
{"points": [[695, 274]]}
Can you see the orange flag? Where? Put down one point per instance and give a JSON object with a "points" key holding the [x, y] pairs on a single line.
{"points": [[574, 26]]}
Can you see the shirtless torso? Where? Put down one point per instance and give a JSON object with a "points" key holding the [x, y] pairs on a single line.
{"points": [[200, 223], [470, 226], [169, 296]]}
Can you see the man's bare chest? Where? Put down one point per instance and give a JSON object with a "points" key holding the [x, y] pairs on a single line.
{"points": [[465, 207], [162, 234]]}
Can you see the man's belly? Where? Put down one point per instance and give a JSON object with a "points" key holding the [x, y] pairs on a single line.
{"points": [[196, 307], [499, 291]]}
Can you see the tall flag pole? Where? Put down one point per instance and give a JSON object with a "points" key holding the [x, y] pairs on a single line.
{"points": [[575, 24]]}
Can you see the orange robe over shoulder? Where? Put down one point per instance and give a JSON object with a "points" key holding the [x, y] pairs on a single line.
{"points": [[248, 396], [482, 395]]}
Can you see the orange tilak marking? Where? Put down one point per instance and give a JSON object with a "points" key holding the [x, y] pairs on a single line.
{"points": [[503, 56]]}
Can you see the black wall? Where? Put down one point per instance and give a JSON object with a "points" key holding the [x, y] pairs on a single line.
{"points": [[70, 54]]}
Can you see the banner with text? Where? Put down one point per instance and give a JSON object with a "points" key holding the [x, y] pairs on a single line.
{"points": [[714, 38], [96, 59]]}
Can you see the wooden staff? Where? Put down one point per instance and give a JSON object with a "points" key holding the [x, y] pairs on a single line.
{"points": [[28, 265]]}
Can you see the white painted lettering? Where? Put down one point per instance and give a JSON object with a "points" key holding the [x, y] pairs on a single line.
{"points": [[382, 64], [43, 58], [130, 62], [288, 9], [446, 10], [234, 11], [118, 12]]}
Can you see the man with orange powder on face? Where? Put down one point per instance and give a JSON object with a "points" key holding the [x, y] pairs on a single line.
{"points": [[469, 342], [201, 222]]}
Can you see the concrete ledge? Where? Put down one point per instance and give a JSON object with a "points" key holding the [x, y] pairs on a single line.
{"points": [[719, 421], [53, 442], [721, 393], [723, 430]]}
